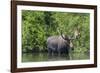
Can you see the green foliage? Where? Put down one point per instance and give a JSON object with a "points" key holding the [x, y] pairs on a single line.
{"points": [[37, 26]]}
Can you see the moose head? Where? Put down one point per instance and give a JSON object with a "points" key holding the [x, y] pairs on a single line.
{"points": [[69, 39]]}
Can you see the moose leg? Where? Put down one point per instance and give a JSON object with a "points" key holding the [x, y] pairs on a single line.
{"points": [[58, 52], [49, 51]]}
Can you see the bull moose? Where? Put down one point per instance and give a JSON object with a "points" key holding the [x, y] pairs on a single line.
{"points": [[60, 44]]}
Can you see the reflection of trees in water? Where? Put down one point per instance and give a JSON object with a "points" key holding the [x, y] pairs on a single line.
{"points": [[55, 57]]}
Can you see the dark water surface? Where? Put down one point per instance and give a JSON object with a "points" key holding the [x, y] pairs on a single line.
{"points": [[37, 57]]}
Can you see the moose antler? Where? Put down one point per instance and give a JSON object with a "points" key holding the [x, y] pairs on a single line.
{"points": [[76, 33], [60, 32]]}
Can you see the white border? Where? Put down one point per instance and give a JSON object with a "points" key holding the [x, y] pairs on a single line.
{"points": [[54, 63]]}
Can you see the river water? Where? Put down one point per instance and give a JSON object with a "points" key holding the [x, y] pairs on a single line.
{"points": [[37, 57]]}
